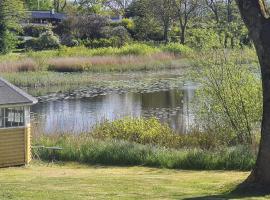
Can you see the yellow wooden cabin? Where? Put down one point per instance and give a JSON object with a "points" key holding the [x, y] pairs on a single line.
{"points": [[15, 134]]}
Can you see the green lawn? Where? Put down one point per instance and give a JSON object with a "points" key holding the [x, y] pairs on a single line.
{"points": [[73, 181]]}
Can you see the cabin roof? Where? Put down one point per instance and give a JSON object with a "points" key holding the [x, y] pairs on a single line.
{"points": [[46, 15], [12, 95]]}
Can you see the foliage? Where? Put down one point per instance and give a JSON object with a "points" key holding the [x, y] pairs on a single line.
{"points": [[100, 43], [121, 35], [69, 41], [138, 49], [89, 26], [176, 48], [85, 149], [46, 41], [230, 97], [35, 30], [203, 38], [11, 13], [144, 131], [39, 5]]}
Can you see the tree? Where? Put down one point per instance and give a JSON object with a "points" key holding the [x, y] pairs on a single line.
{"points": [[147, 25], [59, 5], [39, 4], [117, 6], [10, 15], [185, 10], [162, 10], [256, 17]]}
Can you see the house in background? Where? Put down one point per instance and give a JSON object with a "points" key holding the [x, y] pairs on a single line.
{"points": [[15, 133], [45, 17]]}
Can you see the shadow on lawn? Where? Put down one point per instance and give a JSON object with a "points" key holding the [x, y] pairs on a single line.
{"points": [[238, 193]]}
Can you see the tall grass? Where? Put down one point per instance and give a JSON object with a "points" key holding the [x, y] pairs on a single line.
{"points": [[109, 63], [85, 149], [78, 59], [23, 65]]}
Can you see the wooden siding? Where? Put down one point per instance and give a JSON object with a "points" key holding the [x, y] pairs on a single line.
{"points": [[14, 147]]}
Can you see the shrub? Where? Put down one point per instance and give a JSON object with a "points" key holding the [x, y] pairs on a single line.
{"points": [[137, 49], [229, 101], [144, 131], [151, 131], [32, 44], [100, 43], [202, 38], [121, 35], [176, 48], [69, 41], [128, 24], [35, 30], [46, 41]]}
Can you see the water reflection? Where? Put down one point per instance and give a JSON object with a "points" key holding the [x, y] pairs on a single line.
{"points": [[79, 115]]}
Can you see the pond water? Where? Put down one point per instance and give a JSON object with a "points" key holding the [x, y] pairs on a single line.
{"points": [[80, 115]]}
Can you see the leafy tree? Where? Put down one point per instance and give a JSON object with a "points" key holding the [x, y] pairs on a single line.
{"points": [[39, 4], [185, 10], [84, 26], [163, 11], [10, 14], [146, 23]]}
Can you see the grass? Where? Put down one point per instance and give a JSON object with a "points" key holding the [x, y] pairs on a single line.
{"points": [[111, 63], [81, 182], [86, 149], [127, 58]]}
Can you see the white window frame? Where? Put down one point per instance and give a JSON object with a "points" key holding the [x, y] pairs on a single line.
{"points": [[26, 116]]}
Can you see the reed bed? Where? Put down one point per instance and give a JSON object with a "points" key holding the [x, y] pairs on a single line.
{"points": [[108, 63], [24, 65]]}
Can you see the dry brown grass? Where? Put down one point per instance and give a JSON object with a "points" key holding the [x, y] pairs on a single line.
{"points": [[18, 66], [77, 64]]}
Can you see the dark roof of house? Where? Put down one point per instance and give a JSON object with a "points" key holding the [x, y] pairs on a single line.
{"points": [[46, 15], [12, 95]]}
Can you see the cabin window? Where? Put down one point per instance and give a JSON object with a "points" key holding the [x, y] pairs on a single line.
{"points": [[1, 118], [12, 117]]}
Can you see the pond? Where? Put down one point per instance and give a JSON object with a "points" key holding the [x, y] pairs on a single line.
{"points": [[80, 115]]}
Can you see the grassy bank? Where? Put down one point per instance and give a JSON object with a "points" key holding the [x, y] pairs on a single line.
{"points": [[86, 149], [73, 181]]}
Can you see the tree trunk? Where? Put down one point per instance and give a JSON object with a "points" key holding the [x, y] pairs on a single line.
{"points": [[166, 31], [257, 20], [183, 34]]}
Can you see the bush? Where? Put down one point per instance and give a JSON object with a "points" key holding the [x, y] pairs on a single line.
{"points": [[49, 41], [202, 38], [35, 30], [121, 35], [69, 41], [100, 43], [144, 131], [230, 97], [46, 41], [128, 24], [138, 49], [176, 48]]}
